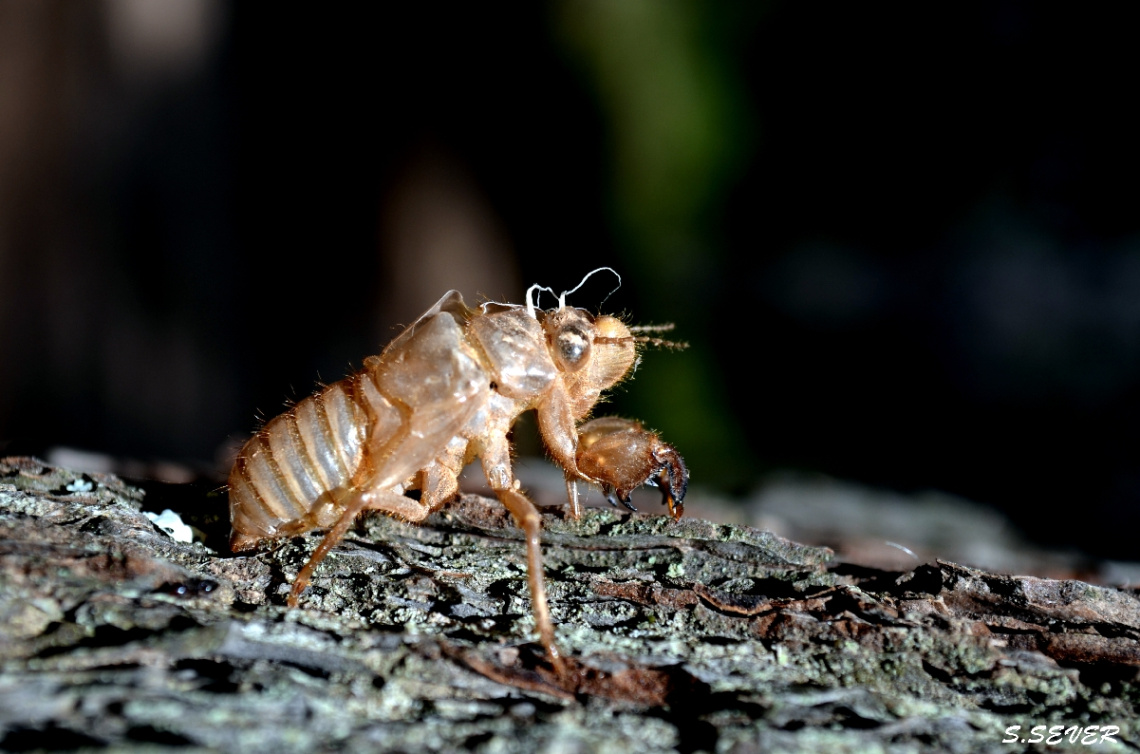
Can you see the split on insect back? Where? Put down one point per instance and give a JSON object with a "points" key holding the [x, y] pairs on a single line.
{"points": [[363, 442]]}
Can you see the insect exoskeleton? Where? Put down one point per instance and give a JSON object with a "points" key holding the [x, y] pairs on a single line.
{"points": [[446, 391]]}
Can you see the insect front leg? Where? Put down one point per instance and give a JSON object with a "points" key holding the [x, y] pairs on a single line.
{"points": [[557, 424], [559, 429], [620, 455], [572, 496], [497, 468]]}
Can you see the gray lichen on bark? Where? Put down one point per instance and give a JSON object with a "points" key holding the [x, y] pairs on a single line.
{"points": [[686, 636]]}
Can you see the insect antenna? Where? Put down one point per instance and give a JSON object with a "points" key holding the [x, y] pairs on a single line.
{"points": [[666, 327], [655, 342], [676, 345]]}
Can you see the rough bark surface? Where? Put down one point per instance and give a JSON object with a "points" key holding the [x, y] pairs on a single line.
{"points": [[686, 636]]}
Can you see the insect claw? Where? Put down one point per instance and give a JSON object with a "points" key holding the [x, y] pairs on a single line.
{"points": [[625, 501], [673, 480], [608, 491]]}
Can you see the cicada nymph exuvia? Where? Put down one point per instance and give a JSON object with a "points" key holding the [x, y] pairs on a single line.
{"points": [[446, 391]]}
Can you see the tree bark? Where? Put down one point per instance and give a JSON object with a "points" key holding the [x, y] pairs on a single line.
{"points": [[687, 636]]}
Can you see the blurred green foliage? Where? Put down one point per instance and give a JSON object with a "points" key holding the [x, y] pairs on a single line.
{"points": [[679, 132]]}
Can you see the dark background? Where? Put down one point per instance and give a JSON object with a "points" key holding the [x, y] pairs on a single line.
{"points": [[903, 242]]}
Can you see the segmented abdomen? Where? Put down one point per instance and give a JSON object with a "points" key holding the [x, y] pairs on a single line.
{"points": [[292, 475]]}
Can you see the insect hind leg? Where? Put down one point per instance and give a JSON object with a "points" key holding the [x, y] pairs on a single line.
{"points": [[400, 506], [381, 500]]}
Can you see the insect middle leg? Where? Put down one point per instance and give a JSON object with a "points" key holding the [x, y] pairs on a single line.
{"points": [[496, 466]]}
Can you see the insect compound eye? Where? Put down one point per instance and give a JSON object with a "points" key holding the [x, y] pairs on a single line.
{"points": [[573, 348]]}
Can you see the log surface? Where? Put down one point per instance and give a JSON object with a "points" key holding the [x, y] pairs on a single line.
{"points": [[686, 636]]}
